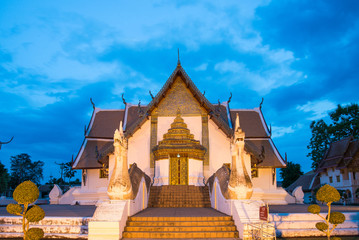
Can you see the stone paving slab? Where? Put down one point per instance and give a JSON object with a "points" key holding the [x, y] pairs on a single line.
{"points": [[62, 210], [88, 210], [303, 208]]}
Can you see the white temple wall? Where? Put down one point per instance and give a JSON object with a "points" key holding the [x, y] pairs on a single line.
{"points": [[139, 149], [161, 172], [194, 124], [219, 149], [94, 181], [264, 179], [195, 172]]}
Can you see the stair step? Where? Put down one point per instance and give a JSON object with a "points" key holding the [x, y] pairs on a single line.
{"points": [[180, 219], [179, 196], [180, 234], [180, 223], [181, 229]]}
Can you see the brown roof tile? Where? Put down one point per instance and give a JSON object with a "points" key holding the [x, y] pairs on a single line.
{"points": [[89, 155], [334, 154], [105, 123], [270, 158], [250, 122], [133, 115]]}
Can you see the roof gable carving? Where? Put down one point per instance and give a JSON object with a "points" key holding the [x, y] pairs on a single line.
{"points": [[179, 79]]}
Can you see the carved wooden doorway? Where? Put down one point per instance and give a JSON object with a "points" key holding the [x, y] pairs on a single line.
{"points": [[178, 169]]}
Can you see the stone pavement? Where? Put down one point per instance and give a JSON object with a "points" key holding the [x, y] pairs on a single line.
{"points": [[302, 208], [87, 211], [62, 210]]}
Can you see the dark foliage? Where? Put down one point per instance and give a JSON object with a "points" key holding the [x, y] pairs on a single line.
{"points": [[290, 174], [4, 179], [22, 169], [344, 122]]}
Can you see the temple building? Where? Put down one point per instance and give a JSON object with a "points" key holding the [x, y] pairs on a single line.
{"points": [[179, 138], [339, 168]]}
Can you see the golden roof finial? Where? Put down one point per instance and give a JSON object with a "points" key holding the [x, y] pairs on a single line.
{"points": [[178, 61], [178, 114]]}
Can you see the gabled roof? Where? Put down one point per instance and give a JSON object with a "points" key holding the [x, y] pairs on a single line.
{"points": [[308, 181], [179, 71], [335, 154]]}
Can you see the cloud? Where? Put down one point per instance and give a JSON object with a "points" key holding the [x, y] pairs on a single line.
{"points": [[278, 131], [202, 67], [260, 81], [318, 109]]}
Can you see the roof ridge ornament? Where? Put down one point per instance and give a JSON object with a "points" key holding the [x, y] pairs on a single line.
{"points": [[93, 104], [123, 99], [178, 56], [260, 105], [1, 143]]}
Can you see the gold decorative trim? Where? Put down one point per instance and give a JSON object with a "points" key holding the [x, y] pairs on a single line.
{"points": [[178, 169], [153, 141], [205, 138], [179, 140]]}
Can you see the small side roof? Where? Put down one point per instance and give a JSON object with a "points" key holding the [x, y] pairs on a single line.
{"points": [[335, 154], [88, 156], [104, 123], [308, 182]]}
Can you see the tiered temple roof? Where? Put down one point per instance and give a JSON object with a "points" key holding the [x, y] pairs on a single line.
{"points": [[99, 135]]}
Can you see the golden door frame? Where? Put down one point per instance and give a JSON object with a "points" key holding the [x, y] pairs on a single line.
{"points": [[178, 169]]}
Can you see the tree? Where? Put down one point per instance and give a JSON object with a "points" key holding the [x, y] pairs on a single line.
{"points": [[68, 171], [22, 169], [329, 195], [344, 122], [25, 195], [290, 174], [4, 179]]}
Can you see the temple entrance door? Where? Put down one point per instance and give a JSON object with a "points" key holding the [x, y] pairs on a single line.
{"points": [[178, 169]]}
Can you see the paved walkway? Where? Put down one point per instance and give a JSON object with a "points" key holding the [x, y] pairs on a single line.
{"points": [[180, 212], [87, 211], [61, 210]]}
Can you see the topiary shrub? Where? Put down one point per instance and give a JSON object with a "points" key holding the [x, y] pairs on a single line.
{"points": [[25, 194], [327, 194]]}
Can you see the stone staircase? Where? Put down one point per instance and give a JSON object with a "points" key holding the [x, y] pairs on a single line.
{"points": [[54, 227], [180, 227], [179, 196]]}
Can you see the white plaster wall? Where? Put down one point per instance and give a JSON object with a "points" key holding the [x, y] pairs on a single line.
{"points": [[141, 200], [195, 172], [264, 179], [94, 182], [139, 149], [219, 149], [194, 124], [161, 172]]}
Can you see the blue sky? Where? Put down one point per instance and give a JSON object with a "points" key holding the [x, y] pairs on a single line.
{"points": [[301, 56]]}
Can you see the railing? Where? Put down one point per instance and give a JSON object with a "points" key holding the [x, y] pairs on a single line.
{"points": [[259, 231]]}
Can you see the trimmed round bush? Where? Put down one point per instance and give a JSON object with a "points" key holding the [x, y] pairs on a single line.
{"points": [[26, 192], [314, 208], [15, 209], [328, 194], [34, 234], [321, 226], [35, 214], [336, 218]]}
